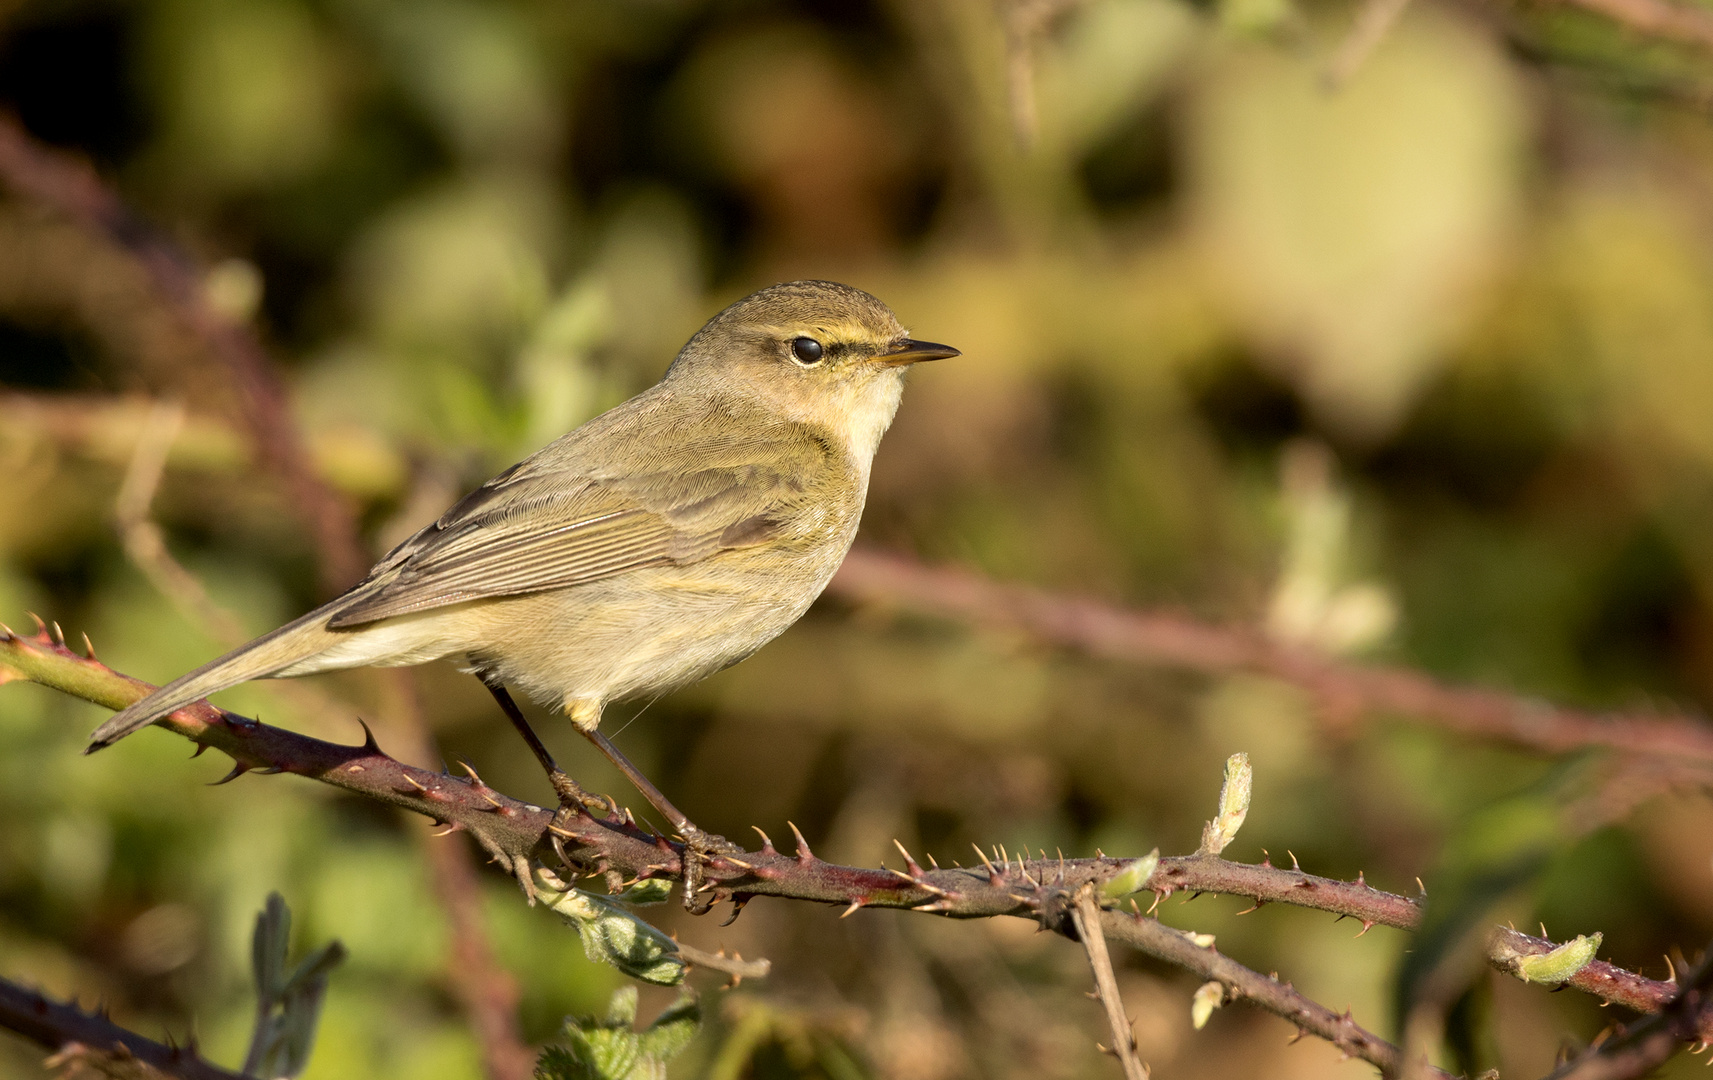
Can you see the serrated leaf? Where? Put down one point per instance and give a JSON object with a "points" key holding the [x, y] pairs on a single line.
{"points": [[608, 1048], [621, 1010], [673, 1029]]}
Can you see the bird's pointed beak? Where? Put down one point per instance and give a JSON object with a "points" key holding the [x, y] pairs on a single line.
{"points": [[911, 351]]}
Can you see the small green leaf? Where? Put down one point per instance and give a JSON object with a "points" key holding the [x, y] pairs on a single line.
{"points": [[1209, 996], [621, 1010], [1233, 805], [288, 1007], [1560, 964], [268, 949], [647, 893], [612, 935], [609, 1048], [1133, 877]]}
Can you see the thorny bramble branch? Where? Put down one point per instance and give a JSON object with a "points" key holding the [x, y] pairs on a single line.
{"points": [[1649, 1043], [516, 833], [77, 1037]]}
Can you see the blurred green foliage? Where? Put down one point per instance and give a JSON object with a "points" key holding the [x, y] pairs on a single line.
{"points": [[1419, 369]]}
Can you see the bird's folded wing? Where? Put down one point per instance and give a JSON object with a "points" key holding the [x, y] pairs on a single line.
{"points": [[531, 533]]}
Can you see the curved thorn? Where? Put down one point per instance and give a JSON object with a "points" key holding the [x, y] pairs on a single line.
{"points": [[909, 862], [803, 852], [89, 649], [239, 768], [369, 742]]}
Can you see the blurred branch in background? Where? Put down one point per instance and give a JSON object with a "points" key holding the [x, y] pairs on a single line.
{"points": [[68, 184], [1026, 23], [91, 1044], [1650, 1044], [1344, 690], [1373, 19], [1683, 23], [288, 1009]]}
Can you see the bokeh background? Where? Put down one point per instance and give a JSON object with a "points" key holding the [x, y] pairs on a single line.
{"points": [[1418, 368]]}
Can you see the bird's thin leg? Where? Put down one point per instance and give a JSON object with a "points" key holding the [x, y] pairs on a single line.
{"points": [[569, 791], [698, 844], [674, 816]]}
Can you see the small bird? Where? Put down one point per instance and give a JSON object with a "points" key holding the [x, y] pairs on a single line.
{"points": [[660, 542]]}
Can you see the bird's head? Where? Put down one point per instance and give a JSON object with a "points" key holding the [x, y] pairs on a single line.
{"points": [[811, 351]]}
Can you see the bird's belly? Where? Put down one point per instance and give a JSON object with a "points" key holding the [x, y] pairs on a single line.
{"points": [[642, 632]]}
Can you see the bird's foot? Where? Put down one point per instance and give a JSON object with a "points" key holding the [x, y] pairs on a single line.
{"points": [[573, 797], [701, 847]]}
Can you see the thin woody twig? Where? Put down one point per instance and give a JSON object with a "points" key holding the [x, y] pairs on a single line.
{"points": [[1373, 19], [488, 993], [1343, 688], [1025, 22], [1265, 883], [1085, 914], [1265, 992], [1682, 23], [142, 537], [734, 965], [74, 1037]]}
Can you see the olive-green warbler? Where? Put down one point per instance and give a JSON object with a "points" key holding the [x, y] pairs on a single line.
{"points": [[658, 543]]}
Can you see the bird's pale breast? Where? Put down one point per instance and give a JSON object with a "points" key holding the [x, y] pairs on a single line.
{"points": [[651, 629]]}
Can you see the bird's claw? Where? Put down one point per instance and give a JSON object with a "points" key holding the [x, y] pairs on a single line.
{"points": [[699, 848], [573, 797]]}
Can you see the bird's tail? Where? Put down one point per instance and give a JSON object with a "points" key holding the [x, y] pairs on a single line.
{"points": [[273, 652]]}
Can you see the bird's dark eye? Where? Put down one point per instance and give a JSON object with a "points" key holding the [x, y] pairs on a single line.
{"points": [[807, 350]]}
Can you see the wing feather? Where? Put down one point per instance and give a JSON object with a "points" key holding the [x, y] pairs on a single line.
{"points": [[534, 529]]}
